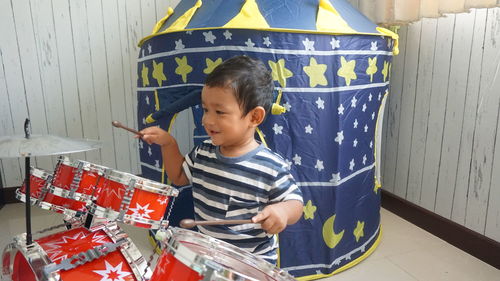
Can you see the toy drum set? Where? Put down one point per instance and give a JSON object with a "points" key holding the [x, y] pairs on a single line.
{"points": [[93, 199]]}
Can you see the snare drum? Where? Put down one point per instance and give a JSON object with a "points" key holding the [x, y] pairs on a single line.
{"points": [[102, 253], [39, 182], [76, 180], [133, 200], [192, 256]]}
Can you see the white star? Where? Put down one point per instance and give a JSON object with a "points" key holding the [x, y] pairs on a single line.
{"points": [[267, 42], [141, 144], [150, 49], [162, 201], [374, 46], [277, 129], [157, 163], [149, 151], [351, 165], [335, 43], [147, 100], [189, 32], [179, 45], [364, 159], [141, 211], [348, 257], [366, 128], [209, 37], [355, 123], [370, 97], [297, 160], [363, 248], [227, 35], [379, 96], [371, 144], [309, 129], [144, 120], [287, 106], [355, 143], [320, 103], [364, 107], [373, 115], [249, 43], [335, 177], [309, 45], [113, 273], [288, 164], [337, 261], [341, 109], [353, 102], [319, 165], [340, 137]]}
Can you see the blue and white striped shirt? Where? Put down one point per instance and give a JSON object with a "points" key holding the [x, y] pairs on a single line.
{"points": [[238, 188]]}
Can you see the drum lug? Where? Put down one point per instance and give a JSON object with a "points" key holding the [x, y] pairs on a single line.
{"points": [[127, 198]]}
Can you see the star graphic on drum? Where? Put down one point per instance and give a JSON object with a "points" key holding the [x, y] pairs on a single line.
{"points": [[141, 211], [113, 273], [69, 245]]}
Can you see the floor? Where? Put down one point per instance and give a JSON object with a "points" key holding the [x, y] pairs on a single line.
{"points": [[405, 253]]}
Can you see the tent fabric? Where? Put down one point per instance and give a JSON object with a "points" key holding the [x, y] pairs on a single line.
{"points": [[332, 88]]}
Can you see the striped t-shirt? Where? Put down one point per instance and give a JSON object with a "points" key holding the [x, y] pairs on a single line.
{"points": [[238, 188]]}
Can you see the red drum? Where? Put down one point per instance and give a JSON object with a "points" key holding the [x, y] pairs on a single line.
{"points": [[102, 253], [76, 180], [39, 187], [133, 200], [192, 256]]}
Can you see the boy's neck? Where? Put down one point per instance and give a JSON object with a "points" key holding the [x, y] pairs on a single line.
{"points": [[239, 149]]}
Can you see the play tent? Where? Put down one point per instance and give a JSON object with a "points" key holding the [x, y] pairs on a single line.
{"points": [[331, 70]]}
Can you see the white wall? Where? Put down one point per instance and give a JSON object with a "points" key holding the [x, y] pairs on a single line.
{"points": [[70, 66], [442, 129]]}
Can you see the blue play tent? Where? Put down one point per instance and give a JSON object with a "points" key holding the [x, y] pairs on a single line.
{"points": [[331, 70]]}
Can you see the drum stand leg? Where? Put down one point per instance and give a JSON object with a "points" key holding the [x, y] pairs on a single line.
{"points": [[88, 220], [27, 167]]}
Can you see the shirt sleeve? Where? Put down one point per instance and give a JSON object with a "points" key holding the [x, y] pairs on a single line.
{"points": [[285, 188], [188, 164]]}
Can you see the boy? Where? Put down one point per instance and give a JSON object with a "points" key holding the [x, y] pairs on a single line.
{"points": [[233, 176]]}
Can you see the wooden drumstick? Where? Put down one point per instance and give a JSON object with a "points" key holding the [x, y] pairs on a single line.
{"points": [[117, 124], [189, 223]]}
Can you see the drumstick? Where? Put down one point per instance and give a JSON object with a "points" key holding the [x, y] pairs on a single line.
{"points": [[189, 223], [120, 125]]}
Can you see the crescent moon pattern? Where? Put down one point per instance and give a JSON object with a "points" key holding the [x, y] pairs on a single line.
{"points": [[329, 236]]}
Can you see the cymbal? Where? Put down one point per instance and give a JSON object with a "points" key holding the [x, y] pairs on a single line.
{"points": [[43, 145]]}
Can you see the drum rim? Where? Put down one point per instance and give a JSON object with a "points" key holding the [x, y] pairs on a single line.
{"points": [[141, 183], [64, 193], [39, 173], [87, 166], [172, 243], [105, 213]]}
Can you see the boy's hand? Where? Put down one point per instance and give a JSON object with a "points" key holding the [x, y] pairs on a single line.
{"points": [[273, 218], [156, 135]]}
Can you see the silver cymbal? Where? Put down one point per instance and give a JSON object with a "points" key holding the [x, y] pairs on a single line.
{"points": [[43, 145]]}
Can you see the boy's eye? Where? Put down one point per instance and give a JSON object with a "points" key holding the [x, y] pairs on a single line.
{"points": [[219, 112], [205, 110]]}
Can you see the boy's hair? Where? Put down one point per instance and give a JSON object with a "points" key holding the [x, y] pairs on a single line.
{"points": [[251, 82]]}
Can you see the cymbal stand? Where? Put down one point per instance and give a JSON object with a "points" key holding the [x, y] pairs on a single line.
{"points": [[27, 171]]}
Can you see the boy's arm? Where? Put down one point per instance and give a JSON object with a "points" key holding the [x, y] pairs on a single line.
{"points": [[275, 217], [172, 157]]}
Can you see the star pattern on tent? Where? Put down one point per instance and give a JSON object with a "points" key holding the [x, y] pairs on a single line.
{"points": [[179, 45], [147, 100], [211, 65], [279, 72], [113, 273], [355, 143], [364, 107], [297, 160], [158, 73], [335, 177], [335, 43], [209, 37], [319, 165], [144, 74], [340, 109], [249, 43], [308, 45], [370, 97], [340, 137], [320, 103], [267, 42], [309, 210], [358, 231], [316, 73], [287, 106], [157, 163], [228, 35], [277, 129], [366, 128], [364, 159], [353, 102], [308, 129], [351, 165], [372, 67], [346, 70], [183, 68], [355, 123]]}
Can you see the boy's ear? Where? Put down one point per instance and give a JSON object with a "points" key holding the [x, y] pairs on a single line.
{"points": [[257, 115]]}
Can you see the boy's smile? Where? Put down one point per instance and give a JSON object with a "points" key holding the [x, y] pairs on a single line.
{"points": [[224, 121]]}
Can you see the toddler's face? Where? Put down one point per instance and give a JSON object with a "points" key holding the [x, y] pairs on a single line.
{"points": [[222, 117]]}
